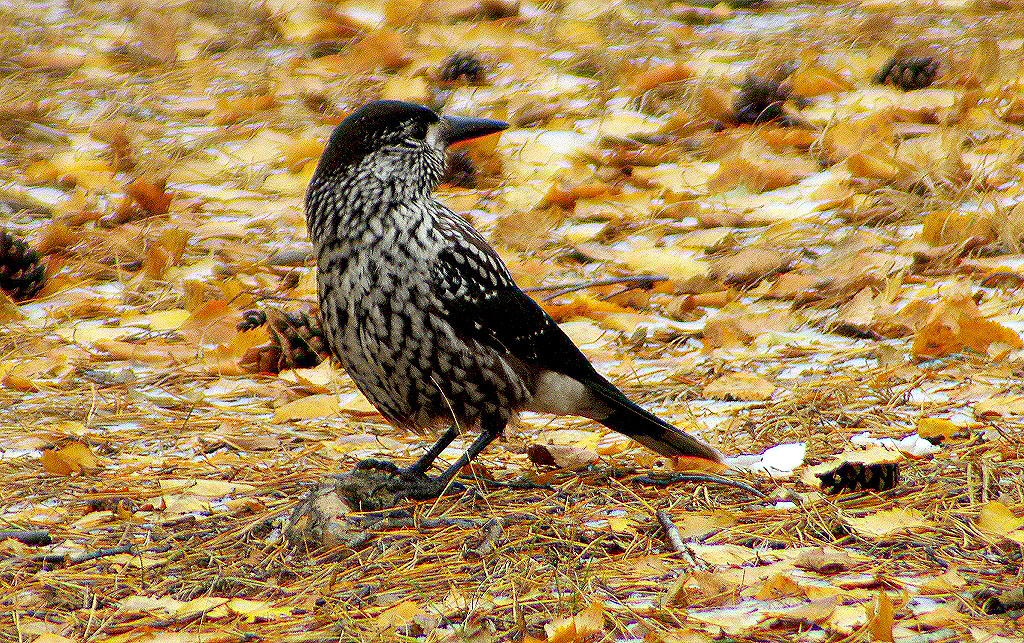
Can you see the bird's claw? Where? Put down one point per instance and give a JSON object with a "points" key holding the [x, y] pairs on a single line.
{"points": [[407, 484], [379, 465]]}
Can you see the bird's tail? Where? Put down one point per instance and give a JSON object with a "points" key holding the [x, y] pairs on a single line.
{"points": [[654, 433]]}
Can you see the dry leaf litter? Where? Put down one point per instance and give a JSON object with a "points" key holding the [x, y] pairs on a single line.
{"points": [[829, 195]]}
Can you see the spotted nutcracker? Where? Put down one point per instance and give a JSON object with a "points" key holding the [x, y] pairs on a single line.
{"points": [[422, 312]]}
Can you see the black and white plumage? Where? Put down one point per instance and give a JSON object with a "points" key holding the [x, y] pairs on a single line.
{"points": [[423, 314]]}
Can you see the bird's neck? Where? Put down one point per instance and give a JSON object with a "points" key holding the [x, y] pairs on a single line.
{"points": [[360, 210]]}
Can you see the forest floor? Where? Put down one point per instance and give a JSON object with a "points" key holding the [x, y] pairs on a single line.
{"points": [[830, 196]]}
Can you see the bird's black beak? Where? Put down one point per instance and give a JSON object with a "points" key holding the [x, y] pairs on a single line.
{"points": [[463, 129]]}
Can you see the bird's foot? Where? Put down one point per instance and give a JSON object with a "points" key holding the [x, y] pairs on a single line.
{"points": [[403, 483], [379, 465]]}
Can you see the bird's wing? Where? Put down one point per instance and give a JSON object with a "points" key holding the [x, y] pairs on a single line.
{"points": [[482, 302]]}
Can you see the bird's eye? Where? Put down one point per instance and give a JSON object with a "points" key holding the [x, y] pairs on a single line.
{"points": [[418, 130]]}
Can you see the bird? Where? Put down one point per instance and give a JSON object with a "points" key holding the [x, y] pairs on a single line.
{"points": [[422, 313]]}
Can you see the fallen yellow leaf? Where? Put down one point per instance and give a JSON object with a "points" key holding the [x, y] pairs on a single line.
{"points": [[938, 428], [583, 627], [681, 263], [997, 520], [883, 524], [322, 405], [400, 615], [72, 459], [739, 386], [881, 618]]}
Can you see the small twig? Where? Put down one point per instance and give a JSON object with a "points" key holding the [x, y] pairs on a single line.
{"points": [[675, 539], [565, 289], [409, 522], [67, 560], [401, 520], [517, 485], [672, 533], [625, 290], [938, 636], [357, 542], [297, 256], [691, 477], [492, 532], [361, 594], [27, 536]]}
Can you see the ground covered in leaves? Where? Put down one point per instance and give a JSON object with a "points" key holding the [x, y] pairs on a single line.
{"points": [[828, 200]]}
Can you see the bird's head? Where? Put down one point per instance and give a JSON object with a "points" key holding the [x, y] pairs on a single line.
{"points": [[397, 143]]}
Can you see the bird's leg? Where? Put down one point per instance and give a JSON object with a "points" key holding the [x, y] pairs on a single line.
{"points": [[486, 437], [421, 466], [413, 483], [428, 458]]}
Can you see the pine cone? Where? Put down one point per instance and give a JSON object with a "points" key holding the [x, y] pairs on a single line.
{"points": [[460, 171], [252, 319], [462, 67], [296, 340], [22, 275], [860, 477], [760, 101], [909, 73]]}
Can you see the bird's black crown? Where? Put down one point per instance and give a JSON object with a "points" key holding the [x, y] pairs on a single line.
{"points": [[374, 126]]}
